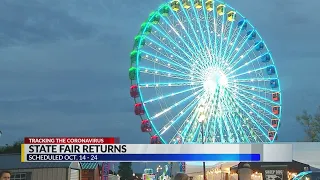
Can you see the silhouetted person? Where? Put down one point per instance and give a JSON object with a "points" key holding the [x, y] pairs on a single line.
{"points": [[181, 176], [5, 175]]}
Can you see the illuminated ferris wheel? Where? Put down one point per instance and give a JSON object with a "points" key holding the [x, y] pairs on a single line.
{"points": [[201, 72]]}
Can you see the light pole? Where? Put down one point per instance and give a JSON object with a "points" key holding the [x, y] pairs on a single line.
{"points": [[158, 171], [201, 119]]}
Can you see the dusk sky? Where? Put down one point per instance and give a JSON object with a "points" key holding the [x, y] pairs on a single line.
{"points": [[64, 64]]}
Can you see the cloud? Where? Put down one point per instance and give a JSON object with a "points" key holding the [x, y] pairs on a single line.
{"points": [[37, 22]]}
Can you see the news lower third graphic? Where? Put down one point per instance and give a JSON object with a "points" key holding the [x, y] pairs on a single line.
{"points": [[107, 149], [143, 157]]}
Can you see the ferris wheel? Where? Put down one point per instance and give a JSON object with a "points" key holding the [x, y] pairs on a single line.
{"points": [[201, 69]]}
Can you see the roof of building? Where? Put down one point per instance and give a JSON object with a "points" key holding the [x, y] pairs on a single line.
{"points": [[13, 161], [293, 166], [89, 165], [314, 168]]}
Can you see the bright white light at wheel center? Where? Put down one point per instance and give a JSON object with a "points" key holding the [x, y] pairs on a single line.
{"points": [[210, 85], [223, 81], [212, 79]]}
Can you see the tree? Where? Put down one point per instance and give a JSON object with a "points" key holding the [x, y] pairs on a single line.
{"points": [[311, 125], [125, 171], [14, 148]]}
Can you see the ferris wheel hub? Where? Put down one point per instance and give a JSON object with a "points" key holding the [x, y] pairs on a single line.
{"points": [[213, 78]]}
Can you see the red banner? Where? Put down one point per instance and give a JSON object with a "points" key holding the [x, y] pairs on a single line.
{"points": [[71, 140]]}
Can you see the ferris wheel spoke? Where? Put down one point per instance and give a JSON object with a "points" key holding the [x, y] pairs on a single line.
{"points": [[215, 127], [260, 98], [202, 58], [170, 95], [225, 37], [157, 72], [240, 104], [226, 45], [190, 24], [193, 128], [241, 130], [190, 125], [252, 133], [255, 111], [259, 108], [195, 94], [165, 62], [196, 133], [195, 32], [217, 32], [234, 121], [180, 133], [196, 45], [179, 116], [220, 128], [245, 64], [252, 80], [234, 43], [197, 17], [224, 127], [159, 49], [216, 116], [173, 84], [167, 36], [249, 71], [177, 43], [222, 34], [235, 59], [229, 46], [192, 131], [205, 15], [212, 130], [236, 138], [193, 44], [211, 122], [214, 12], [255, 89], [207, 100], [231, 120], [160, 63], [239, 47], [195, 36]]}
